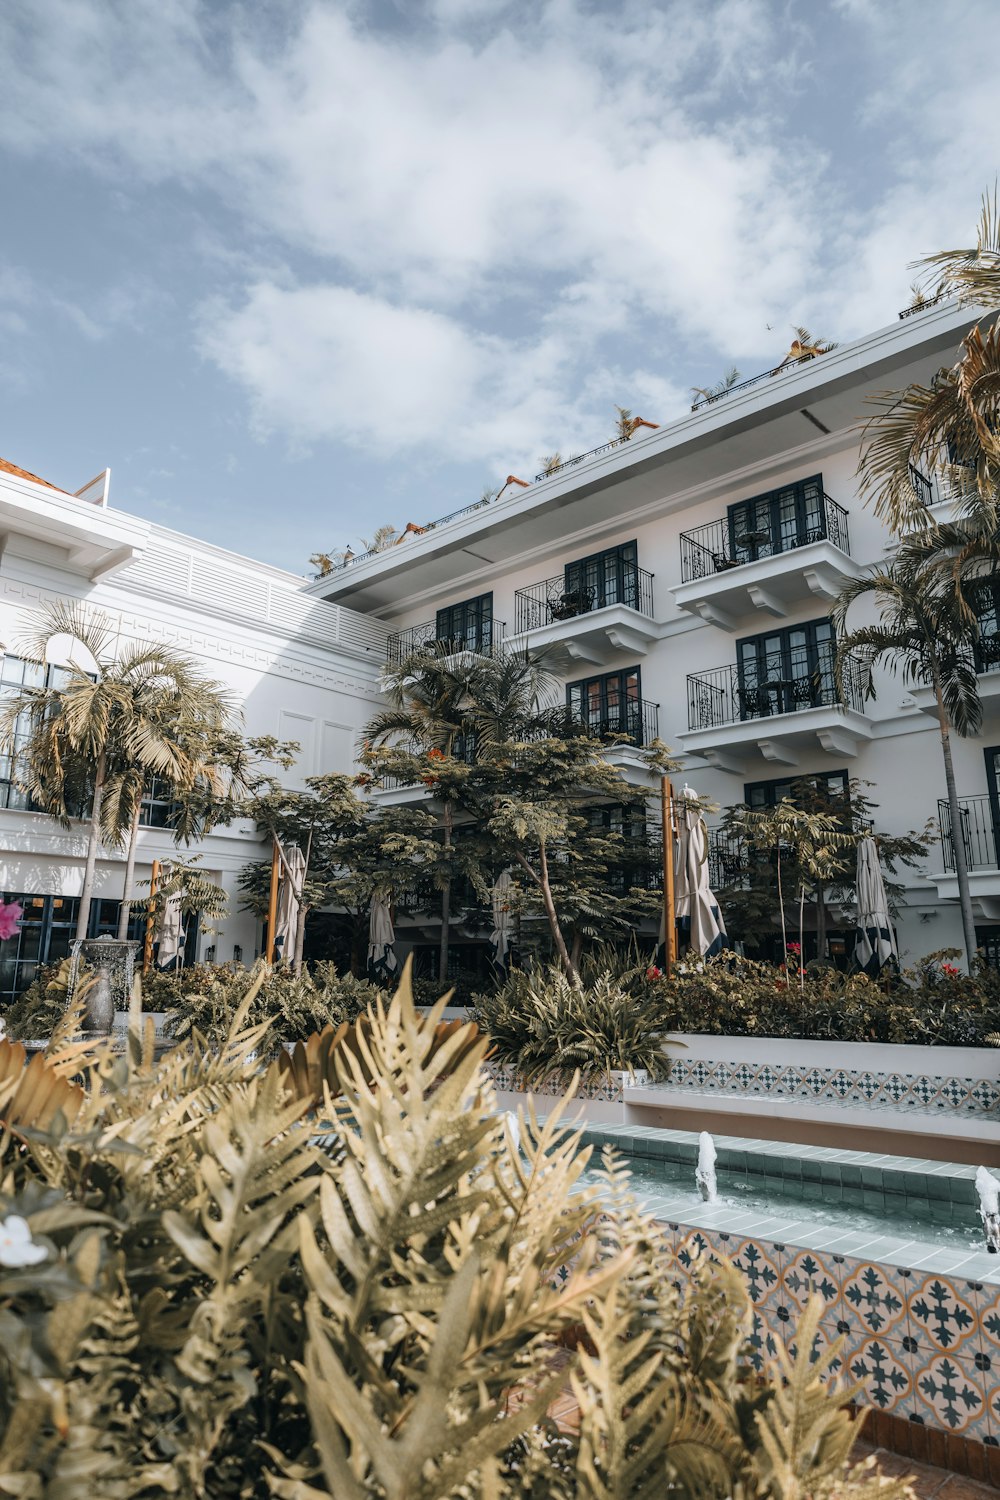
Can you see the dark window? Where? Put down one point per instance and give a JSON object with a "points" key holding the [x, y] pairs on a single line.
{"points": [[988, 941], [763, 794], [611, 704], [777, 521], [633, 866], [785, 670], [16, 674], [608, 577], [467, 626], [47, 931], [984, 596], [159, 805]]}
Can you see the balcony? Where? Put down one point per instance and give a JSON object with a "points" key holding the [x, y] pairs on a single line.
{"points": [[981, 841], [730, 571], [589, 622], [481, 642], [986, 656], [733, 720]]}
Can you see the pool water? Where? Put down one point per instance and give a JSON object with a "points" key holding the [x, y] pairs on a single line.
{"points": [[667, 1190]]}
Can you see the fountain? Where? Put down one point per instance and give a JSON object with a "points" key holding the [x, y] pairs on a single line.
{"points": [[113, 963], [704, 1172], [988, 1188]]}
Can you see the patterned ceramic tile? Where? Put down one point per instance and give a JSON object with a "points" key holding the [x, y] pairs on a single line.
{"points": [[808, 1274], [939, 1314], [987, 1299], [952, 1395], [763, 1342], [886, 1380], [873, 1298], [825, 1341], [844, 1085], [692, 1247], [759, 1265]]}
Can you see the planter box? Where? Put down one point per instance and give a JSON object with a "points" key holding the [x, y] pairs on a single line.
{"points": [[951, 1078], [600, 1102]]}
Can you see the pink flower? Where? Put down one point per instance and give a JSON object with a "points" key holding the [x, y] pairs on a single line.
{"points": [[11, 913], [653, 972], [950, 970], [795, 947]]}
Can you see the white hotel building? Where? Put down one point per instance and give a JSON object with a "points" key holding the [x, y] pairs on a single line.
{"points": [[683, 581]]}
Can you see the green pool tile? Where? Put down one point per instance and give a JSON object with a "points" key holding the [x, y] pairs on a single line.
{"points": [[963, 1190], [812, 1192], [853, 1196], [831, 1172], [873, 1200], [871, 1177], [851, 1175], [938, 1188]]}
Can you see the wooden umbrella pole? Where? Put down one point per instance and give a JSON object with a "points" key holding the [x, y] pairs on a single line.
{"points": [[669, 910], [272, 902], [147, 945]]}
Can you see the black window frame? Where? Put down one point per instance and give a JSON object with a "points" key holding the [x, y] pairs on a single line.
{"points": [[778, 520], [604, 578], [984, 597], [466, 625], [629, 722], [771, 785], [12, 798], [51, 920], [768, 679]]}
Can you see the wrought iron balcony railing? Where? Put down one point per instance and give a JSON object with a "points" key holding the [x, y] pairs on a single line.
{"points": [[724, 695], [978, 831], [638, 719], [481, 642], [711, 397], [550, 601], [712, 549]]}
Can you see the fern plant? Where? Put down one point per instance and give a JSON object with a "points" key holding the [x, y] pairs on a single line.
{"points": [[213, 1301]]}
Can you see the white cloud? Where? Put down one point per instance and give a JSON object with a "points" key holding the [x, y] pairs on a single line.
{"points": [[467, 222], [329, 362]]}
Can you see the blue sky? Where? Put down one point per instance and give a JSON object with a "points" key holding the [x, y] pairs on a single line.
{"points": [[295, 268]]}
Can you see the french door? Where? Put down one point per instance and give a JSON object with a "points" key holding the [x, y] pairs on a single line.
{"points": [[467, 626], [608, 577], [777, 521], [611, 704], [786, 670]]}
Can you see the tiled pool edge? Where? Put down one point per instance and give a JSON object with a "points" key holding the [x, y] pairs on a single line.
{"points": [[922, 1337]]}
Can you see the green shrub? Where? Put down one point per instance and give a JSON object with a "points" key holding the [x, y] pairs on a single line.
{"points": [[933, 1003], [297, 1004], [35, 1013], [540, 1025], [204, 1303]]}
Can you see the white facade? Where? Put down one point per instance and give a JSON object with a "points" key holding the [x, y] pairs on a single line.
{"points": [[731, 727], [297, 667]]}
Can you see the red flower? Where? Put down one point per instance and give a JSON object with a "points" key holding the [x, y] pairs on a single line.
{"points": [[951, 971], [435, 754], [653, 972], [795, 947], [11, 913]]}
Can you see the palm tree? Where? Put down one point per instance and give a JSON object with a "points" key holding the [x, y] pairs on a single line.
{"points": [[804, 346], [924, 632], [445, 701], [428, 694], [951, 427], [117, 717]]}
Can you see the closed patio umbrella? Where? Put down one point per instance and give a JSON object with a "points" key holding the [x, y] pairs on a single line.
{"points": [[875, 941], [502, 918], [382, 961], [286, 926], [169, 929], [696, 908]]}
